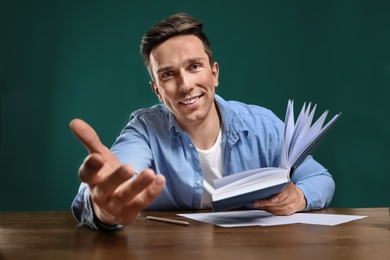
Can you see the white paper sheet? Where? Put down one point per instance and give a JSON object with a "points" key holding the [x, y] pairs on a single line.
{"points": [[262, 218]]}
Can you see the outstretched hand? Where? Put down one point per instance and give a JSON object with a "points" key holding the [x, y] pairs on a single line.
{"points": [[115, 200]]}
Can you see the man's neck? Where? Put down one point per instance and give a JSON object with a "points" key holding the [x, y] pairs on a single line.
{"points": [[205, 135]]}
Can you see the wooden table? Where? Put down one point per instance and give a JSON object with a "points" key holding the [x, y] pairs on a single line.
{"points": [[56, 235]]}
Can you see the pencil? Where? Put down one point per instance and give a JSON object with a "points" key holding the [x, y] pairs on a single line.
{"points": [[167, 220]]}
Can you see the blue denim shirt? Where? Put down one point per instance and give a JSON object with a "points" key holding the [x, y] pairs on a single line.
{"points": [[251, 138]]}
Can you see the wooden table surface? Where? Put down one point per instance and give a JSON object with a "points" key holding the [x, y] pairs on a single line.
{"points": [[56, 235]]}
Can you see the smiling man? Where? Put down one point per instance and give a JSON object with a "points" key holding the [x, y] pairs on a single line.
{"points": [[185, 81], [167, 156]]}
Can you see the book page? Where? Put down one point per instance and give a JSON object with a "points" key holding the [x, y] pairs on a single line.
{"points": [[310, 146], [301, 138], [288, 130], [218, 183]]}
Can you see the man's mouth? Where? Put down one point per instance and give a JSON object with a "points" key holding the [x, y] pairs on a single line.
{"points": [[190, 101]]}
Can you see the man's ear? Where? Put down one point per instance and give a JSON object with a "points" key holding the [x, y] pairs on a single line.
{"points": [[215, 73], [155, 90]]}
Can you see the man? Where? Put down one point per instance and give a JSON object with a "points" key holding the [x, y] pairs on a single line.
{"points": [[168, 155]]}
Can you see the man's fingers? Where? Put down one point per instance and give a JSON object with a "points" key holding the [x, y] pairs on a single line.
{"points": [[148, 195], [110, 183], [289, 201], [129, 191], [87, 135], [130, 198], [90, 168], [130, 212], [127, 200], [140, 192]]}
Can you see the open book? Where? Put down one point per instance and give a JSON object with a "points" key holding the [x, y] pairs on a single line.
{"points": [[300, 139]]}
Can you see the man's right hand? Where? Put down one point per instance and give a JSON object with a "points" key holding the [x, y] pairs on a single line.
{"points": [[115, 199]]}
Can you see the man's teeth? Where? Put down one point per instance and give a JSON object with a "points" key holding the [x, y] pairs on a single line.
{"points": [[190, 101]]}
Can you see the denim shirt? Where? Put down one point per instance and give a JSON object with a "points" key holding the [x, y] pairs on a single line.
{"points": [[251, 138]]}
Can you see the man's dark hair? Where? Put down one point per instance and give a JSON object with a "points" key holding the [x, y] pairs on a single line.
{"points": [[174, 25]]}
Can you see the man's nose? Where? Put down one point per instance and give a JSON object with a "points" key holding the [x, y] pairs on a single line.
{"points": [[184, 82]]}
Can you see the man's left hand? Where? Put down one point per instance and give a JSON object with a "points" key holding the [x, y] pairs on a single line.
{"points": [[289, 201]]}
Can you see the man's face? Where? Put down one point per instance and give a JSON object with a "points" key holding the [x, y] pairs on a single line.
{"points": [[184, 79]]}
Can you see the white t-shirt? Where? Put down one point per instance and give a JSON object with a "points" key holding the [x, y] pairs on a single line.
{"points": [[211, 162]]}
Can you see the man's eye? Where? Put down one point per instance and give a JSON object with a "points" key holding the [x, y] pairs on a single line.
{"points": [[195, 66], [167, 74]]}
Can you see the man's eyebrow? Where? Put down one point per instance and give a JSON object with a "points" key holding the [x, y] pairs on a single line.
{"points": [[195, 59], [187, 61], [163, 69]]}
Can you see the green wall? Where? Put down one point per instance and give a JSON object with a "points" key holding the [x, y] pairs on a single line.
{"points": [[65, 59]]}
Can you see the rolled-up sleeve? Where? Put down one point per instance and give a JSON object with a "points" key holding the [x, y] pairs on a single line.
{"points": [[315, 182]]}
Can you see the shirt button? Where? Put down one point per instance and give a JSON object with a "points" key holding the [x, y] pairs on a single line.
{"points": [[197, 182], [191, 145]]}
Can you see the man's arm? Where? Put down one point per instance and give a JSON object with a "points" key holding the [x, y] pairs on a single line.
{"points": [[109, 198]]}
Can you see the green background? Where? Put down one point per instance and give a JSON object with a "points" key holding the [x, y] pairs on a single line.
{"points": [[65, 59]]}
